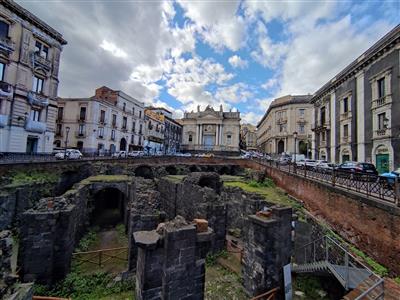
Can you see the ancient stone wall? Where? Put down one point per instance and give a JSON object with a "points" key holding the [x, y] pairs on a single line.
{"points": [[372, 226], [168, 265], [267, 248]]}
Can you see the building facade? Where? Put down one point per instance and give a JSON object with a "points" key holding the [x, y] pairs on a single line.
{"points": [[30, 53], [172, 131], [155, 128], [248, 137], [108, 122], [211, 130], [284, 117], [356, 114]]}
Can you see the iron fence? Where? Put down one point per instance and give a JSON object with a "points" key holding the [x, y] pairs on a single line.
{"points": [[366, 184]]}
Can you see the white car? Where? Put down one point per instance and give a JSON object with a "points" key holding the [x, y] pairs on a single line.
{"points": [[120, 154], [70, 154], [135, 153], [306, 163], [324, 166]]}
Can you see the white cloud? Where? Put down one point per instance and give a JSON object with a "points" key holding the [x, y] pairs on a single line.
{"points": [[237, 62], [250, 117], [236, 93], [111, 47], [270, 83], [217, 22]]}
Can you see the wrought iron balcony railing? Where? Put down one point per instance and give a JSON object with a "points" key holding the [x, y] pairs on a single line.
{"points": [[35, 126], [37, 99], [41, 61], [7, 44]]}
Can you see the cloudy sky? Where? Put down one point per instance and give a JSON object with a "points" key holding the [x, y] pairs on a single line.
{"points": [[181, 54]]}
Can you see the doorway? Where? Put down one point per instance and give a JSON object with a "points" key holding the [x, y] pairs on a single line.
{"points": [[31, 144], [382, 163], [281, 147]]}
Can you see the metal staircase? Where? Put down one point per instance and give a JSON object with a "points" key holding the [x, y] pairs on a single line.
{"points": [[325, 255]]}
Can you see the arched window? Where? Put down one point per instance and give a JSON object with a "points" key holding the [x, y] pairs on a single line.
{"points": [[190, 138]]}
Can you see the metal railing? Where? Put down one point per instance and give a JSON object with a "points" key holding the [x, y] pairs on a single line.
{"points": [[101, 257], [369, 185], [326, 254]]}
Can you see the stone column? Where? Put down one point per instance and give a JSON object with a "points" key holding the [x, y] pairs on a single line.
{"points": [[201, 135], [217, 135], [197, 134], [267, 248], [221, 134]]}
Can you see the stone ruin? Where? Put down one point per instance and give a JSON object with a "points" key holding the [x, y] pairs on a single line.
{"points": [[160, 255]]}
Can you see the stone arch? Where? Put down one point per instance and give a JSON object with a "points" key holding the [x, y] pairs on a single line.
{"points": [[171, 170], [384, 147], [144, 171], [302, 148], [345, 154], [224, 170], [109, 206]]}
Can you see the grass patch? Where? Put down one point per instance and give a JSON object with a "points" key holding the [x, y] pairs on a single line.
{"points": [[87, 240], [223, 284], [228, 178], [105, 178], [270, 192], [376, 267], [174, 178], [211, 259], [79, 286], [21, 178]]}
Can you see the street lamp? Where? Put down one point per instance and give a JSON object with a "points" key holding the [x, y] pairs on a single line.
{"points": [[295, 146], [66, 141]]}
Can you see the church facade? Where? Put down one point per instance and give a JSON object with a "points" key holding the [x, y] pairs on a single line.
{"points": [[211, 131]]}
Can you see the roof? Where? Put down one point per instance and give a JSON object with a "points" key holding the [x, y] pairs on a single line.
{"points": [[27, 15], [285, 100], [387, 41]]}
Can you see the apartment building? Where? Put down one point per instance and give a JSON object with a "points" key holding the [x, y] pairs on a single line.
{"points": [[286, 125], [30, 53], [248, 137], [107, 122], [154, 134], [172, 133], [356, 114], [211, 130]]}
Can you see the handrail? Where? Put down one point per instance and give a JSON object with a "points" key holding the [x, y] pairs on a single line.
{"points": [[101, 250], [270, 292], [366, 292]]}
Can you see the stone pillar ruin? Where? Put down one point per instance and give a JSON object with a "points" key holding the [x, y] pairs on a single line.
{"points": [[267, 248], [171, 262]]}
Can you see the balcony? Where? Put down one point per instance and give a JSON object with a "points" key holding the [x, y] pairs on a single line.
{"points": [[6, 44], [35, 126], [3, 120], [320, 126], [81, 118], [102, 121], [381, 101], [322, 144], [345, 139], [382, 133], [114, 125], [59, 134], [345, 116], [6, 90], [281, 120], [37, 99], [41, 62], [81, 134]]}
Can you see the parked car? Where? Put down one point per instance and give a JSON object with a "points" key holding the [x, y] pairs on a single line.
{"points": [[306, 163], [120, 154], [358, 170], [389, 178], [135, 153], [69, 154], [324, 167], [183, 154]]}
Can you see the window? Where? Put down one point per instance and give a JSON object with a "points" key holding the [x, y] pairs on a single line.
{"points": [[102, 116], [381, 87], [133, 126], [114, 120], [345, 105], [113, 134], [322, 115], [190, 138], [41, 49], [124, 121], [124, 107], [140, 140], [323, 136], [133, 110], [228, 139], [101, 132], [346, 130], [81, 130], [140, 128], [60, 113], [301, 128], [35, 115], [140, 114], [37, 84], [82, 114], [301, 112], [2, 70], [381, 121], [150, 126], [4, 29], [58, 129], [132, 139]]}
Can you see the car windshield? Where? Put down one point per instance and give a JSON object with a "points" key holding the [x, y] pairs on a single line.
{"points": [[368, 166]]}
